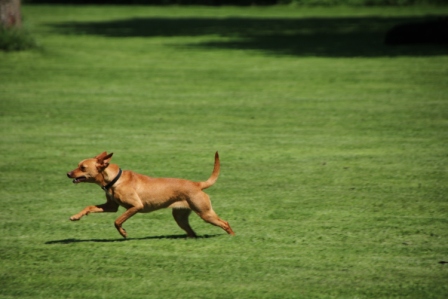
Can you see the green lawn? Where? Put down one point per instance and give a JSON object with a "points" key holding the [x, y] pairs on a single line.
{"points": [[334, 152]]}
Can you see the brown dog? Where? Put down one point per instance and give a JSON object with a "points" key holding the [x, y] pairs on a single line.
{"points": [[142, 194]]}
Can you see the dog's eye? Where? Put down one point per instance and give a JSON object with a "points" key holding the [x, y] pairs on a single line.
{"points": [[82, 167]]}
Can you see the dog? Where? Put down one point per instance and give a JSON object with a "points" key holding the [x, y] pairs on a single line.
{"points": [[139, 193]]}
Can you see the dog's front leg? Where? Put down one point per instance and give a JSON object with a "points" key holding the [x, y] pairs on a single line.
{"points": [[126, 215], [109, 206]]}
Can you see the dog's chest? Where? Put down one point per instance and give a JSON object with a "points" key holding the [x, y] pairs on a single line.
{"points": [[120, 200]]}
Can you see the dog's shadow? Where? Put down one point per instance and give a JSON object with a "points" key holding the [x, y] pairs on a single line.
{"points": [[172, 237]]}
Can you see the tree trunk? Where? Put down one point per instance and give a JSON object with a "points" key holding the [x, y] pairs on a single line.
{"points": [[10, 13]]}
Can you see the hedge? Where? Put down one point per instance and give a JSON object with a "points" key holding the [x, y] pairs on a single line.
{"points": [[248, 2]]}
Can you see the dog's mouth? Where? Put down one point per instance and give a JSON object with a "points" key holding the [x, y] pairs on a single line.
{"points": [[79, 179]]}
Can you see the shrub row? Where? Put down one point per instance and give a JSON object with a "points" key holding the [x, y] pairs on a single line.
{"points": [[248, 2], [15, 39], [361, 2]]}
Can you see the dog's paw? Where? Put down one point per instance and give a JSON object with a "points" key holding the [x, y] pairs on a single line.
{"points": [[123, 232], [75, 218]]}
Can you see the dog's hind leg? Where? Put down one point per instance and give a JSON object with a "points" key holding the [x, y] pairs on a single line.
{"points": [[200, 203], [211, 217], [181, 217]]}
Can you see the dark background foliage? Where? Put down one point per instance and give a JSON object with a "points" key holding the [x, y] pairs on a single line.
{"points": [[245, 2]]}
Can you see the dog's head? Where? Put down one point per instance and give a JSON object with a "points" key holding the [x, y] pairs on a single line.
{"points": [[89, 169]]}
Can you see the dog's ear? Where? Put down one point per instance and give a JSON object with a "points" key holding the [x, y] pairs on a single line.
{"points": [[108, 158], [103, 159], [101, 156]]}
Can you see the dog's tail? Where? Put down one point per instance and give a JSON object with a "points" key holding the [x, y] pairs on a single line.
{"points": [[212, 179]]}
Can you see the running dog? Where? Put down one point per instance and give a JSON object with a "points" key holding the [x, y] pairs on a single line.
{"points": [[139, 193]]}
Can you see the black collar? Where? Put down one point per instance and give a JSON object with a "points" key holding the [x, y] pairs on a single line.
{"points": [[107, 187]]}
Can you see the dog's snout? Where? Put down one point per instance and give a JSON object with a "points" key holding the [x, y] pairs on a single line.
{"points": [[69, 174]]}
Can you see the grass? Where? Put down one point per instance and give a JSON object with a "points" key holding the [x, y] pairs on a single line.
{"points": [[333, 150]]}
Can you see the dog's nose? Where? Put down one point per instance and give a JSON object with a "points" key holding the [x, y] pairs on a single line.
{"points": [[69, 175]]}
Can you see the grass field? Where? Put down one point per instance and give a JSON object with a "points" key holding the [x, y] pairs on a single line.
{"points": [[334, 152]]}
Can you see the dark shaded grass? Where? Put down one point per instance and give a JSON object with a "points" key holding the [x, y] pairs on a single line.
{"points": [[322, 37]]}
